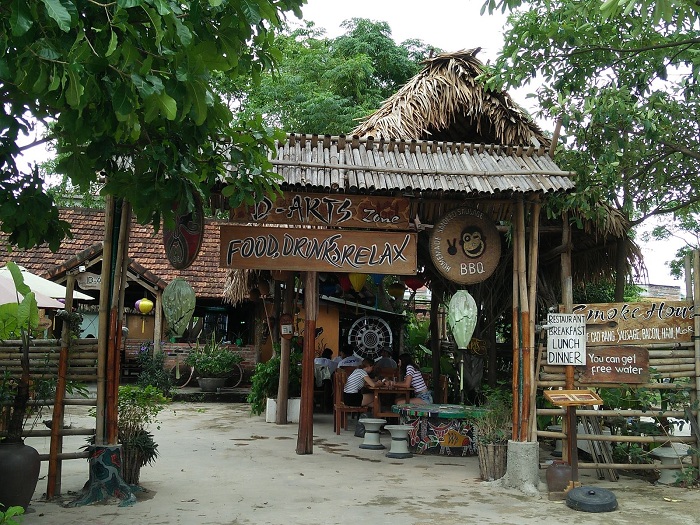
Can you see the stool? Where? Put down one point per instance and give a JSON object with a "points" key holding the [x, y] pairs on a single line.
{"points": [[557, 442], [372, 427], [670, 455], [399, 441]]}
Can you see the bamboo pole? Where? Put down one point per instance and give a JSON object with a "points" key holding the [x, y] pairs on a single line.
{"points": [[613, 412], [305, 443], [525, 348], [516, 331], [285, 349], [532, 308], [158, 322], [103, 322], [696, 340]]}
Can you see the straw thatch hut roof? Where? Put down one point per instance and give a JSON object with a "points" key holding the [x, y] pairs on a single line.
{"points": [[447, 102]]}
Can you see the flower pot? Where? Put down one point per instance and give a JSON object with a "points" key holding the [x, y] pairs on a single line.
{"points": [[211, 384], [493, 459], [19, 463], [293, 409]]}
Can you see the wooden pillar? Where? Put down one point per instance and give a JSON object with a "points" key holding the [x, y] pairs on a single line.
{"points": [[305, 437], [696, 338], [435, 300], [158, 322], [515, 329], [103, 322], [285, 351], [525, 348], [567, 292], [53, 484], [532, 301]]}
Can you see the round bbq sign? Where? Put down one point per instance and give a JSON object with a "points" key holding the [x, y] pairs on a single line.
{"points": [[465, 246]]}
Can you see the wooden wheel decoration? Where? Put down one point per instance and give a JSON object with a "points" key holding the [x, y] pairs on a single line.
{"points": [[368, 336]]}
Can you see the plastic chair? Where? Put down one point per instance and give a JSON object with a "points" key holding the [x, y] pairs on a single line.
{"points": [[340, 409]]}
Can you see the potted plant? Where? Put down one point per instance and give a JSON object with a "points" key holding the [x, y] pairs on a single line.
{"points": [[213, 363], [493, 430], [18, 462], [137, 408], [265, 382]]}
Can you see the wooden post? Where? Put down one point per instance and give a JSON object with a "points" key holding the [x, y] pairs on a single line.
{"points": [[305, 438], [435, 300], [567, 292], [285, 350], [103, 323], [53, 483], [158, 322], [516, 330], [525, 348], [532, 301], [696, 338]]}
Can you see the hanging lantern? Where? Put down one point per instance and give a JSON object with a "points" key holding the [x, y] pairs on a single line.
{"points": [[377, 278], [414, 282], [144, 307], [461, 318], [358, 281], [344, 282], [396, 290]]}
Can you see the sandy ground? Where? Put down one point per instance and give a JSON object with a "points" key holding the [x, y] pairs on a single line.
{"points": [[219, 465]]}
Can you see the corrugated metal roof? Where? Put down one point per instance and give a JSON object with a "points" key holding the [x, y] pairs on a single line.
{"points": [[363, 165]]}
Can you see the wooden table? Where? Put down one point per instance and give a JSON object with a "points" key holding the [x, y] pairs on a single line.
{"points": [[385, 388]]}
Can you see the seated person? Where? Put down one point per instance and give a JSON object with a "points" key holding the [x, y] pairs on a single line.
{"points": [[326, 360], [386, 361], [352, 393], [349, 358], [413, 378]]}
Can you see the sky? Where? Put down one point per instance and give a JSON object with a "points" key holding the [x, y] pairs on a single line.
{"points": [[453, 25]]}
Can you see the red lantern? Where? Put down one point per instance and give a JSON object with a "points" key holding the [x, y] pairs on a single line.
{"points": [[344, 282], [414, 282]]}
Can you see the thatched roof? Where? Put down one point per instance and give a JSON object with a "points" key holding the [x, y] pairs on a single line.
{"points": [[447, 102]]}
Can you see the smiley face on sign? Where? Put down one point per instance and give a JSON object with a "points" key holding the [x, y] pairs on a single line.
{"points": [[465, 246]]}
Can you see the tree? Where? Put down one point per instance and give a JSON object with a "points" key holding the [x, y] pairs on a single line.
{"points": [[125, 88], [324, 85], [625, 84]]}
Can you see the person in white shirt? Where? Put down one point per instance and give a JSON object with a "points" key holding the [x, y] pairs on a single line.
{"points": [[349, 358], [385, 361], [325, 360]]}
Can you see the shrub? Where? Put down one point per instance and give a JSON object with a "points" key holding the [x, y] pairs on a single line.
{"points": [[265, 381]]}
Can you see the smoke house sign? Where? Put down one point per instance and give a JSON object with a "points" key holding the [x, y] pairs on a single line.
{"points": [[465, 246], [609, 324], [337, 210], [304, 249]]}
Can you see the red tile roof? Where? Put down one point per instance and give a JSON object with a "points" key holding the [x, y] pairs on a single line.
{"points": [[146, 252]]}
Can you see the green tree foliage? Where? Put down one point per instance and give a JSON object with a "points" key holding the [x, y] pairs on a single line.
{"points": [[623, 77], [324, 85], [125, 88]]}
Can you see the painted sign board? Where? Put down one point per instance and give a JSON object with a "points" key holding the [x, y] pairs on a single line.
{"points": [[616, 364], [89, 281], [609, 324], [566, 339], [465, 246], [331, 211], [182, 244], [304, 249]]}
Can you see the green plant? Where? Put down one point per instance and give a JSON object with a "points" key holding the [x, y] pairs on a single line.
{"points": [[265, 381], [213, 359], [11, 516], [138, 407], [152, 369], [494, 421]]}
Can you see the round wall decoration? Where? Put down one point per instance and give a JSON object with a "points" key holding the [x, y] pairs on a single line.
{"points": [[368, 336], [182, 244], [465, 246]]}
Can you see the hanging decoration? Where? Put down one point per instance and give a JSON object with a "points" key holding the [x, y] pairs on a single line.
{"points": [[178, 305], [461, 318], [368, 336], [344, 282], [144, 307], [396, 290], [414, 282], [358, 281]]}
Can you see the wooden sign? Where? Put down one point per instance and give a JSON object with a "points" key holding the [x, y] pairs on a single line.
{"points": [[182, 244], [565, 398], [617, 364], [566, 339], [336, 210], [89, 281], [465, 246], [646, 323], [305, 249]]}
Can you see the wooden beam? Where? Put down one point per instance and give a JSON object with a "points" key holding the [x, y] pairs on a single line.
{"points": [[305, 442]]}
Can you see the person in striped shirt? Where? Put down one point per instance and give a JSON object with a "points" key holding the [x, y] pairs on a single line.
{"points": [[352, 392], [413, 378]]}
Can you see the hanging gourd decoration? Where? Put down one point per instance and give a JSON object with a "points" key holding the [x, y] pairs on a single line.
{"points": [[396, 290], [357, 280], [461, 318], [178, 305], [144, 307], [414, 282]]}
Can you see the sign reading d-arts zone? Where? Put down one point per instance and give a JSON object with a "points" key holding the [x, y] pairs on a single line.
{"points": [[305, 249], [566, 339]]}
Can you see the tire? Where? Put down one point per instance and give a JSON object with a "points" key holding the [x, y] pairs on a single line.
{"points": [[235, 377]]}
